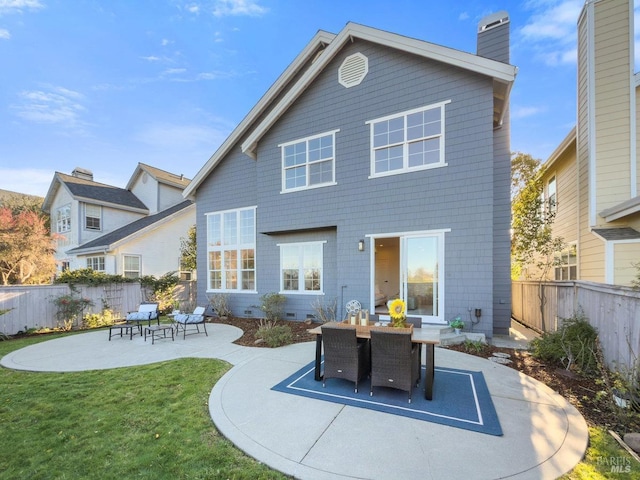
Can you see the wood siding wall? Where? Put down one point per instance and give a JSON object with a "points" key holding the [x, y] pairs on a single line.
{"points": [[613, 311], [32, 306]]}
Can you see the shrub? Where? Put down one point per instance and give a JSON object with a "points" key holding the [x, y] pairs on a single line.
{"points": [[272, 304], [69, 306], [325, 313], [275, 335], [573, 346], [95, 320], [220, 304], [162, 290]]}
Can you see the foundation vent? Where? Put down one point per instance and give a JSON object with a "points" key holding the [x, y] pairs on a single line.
{"points": [[353, 70]]}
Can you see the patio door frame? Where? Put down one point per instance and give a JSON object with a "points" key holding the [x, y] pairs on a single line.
{"points": [[403, 237]]}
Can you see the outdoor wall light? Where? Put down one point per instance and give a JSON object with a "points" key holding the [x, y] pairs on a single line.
{"points": [[361, 245]]}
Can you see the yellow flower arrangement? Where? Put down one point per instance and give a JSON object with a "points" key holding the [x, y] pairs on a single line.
{"points": [[397, 311]]}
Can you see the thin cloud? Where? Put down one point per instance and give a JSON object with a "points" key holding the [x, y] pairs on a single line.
{"points": [[551, 30], [31, 181], [224, 8], [168, 136], [4, 34], [58, 105], [524, 112], [18, 6]]}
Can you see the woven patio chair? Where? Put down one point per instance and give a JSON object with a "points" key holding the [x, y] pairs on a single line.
{"points": [[394, 360], [344, 356]]}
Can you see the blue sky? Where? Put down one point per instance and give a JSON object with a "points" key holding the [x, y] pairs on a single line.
{"points": [[105, 84]]}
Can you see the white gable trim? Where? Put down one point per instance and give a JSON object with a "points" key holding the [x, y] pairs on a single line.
{"points": [[501, 72], [321, 38]]}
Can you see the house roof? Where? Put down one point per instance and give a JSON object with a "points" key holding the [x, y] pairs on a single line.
{"points": [[566, 143], [322, 49], [86, 190], [161, 176], [628, 207], [112, 239], [622, 233]]}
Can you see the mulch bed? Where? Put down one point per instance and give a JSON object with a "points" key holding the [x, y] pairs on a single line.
{"points": [[583, 392]]}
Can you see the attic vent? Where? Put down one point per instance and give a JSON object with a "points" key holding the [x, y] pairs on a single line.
{"points": [[353, 70]]}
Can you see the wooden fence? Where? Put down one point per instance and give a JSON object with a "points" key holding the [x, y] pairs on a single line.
{"points": [[612, 310], [32, 307]]}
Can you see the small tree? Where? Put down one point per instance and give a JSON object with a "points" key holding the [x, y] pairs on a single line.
{"points": [[534, 249], [189, 250], [26, 248]]}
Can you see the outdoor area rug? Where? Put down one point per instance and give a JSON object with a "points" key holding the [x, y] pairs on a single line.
{"points": [[460, 398]]}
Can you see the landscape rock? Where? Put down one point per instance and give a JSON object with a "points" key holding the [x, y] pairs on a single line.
{"points": [[633, 440]]}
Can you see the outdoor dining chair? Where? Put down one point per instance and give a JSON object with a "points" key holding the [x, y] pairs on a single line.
{"points": [[344, 356], [394, 360]]}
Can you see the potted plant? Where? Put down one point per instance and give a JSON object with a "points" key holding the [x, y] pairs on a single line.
{"points": [[457, 324]]}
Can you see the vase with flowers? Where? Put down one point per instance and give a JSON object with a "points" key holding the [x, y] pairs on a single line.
{"points": [[398, 313]]}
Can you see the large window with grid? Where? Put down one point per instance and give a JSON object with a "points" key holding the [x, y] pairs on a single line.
{"points": [[408, 141], [96, 263], [301, 267], [63, 219], [231, 250], [92, 216], [308, 162]]}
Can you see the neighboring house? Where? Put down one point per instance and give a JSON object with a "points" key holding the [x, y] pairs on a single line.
{"points": [[133, 231], [593, 175], [375, 167]]}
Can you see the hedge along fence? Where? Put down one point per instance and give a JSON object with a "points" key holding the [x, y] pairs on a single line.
{"points": [[32, 307], [613, 311]]}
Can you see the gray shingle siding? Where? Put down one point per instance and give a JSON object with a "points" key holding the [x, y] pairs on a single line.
{"points": [[462, 196]]}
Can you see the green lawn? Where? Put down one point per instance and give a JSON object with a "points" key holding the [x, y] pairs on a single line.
{"points": [[152, 422], [138, 422]]}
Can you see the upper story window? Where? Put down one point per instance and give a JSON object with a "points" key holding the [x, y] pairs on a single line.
{"points": [[96, 263], [551, 195], [567, 264], [301, 267], [231, 250], [131, 266], [63, 219], [308, 162], [412, 140], [92, 216]]}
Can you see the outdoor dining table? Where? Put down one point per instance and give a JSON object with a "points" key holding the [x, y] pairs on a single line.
{"points": [[418, 335]]}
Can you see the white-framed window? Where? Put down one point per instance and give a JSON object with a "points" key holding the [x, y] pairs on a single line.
{"points": [[552, 200], [567, 264], [301, 267], [231, 250], [92, 216], [63, 219], [96, 263], [408, 141], [131, 266], [309, 162]]}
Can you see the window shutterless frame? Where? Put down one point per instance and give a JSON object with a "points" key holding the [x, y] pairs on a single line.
{"points": [[309, 162], [408, 141]]}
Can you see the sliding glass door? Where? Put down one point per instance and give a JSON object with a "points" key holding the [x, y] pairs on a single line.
{"points": [[409, 266]]}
